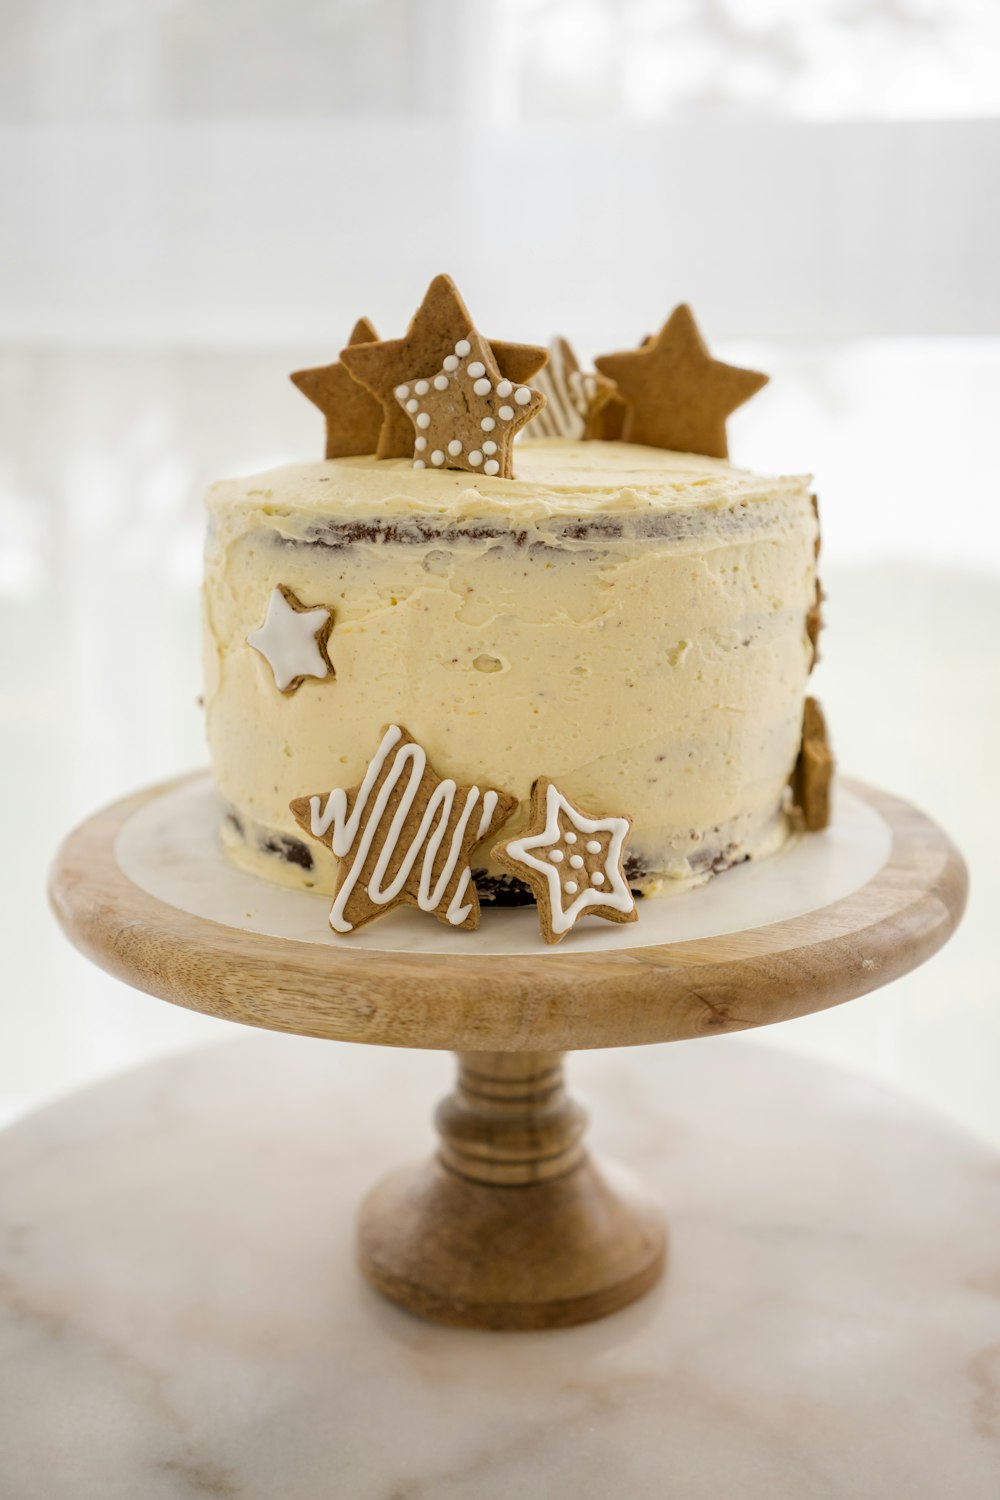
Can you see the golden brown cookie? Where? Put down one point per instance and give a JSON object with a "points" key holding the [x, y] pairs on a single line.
{"points": [[814, 615], [677, 395], [403, 837], [465, 414], [293, 640], [574, 397], [353, 416], [814, 622], [436, 327], [571, 861], [608, 423], [812, 778]]}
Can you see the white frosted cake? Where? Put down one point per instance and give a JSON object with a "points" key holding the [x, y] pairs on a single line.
{"points": [[636, 624]]}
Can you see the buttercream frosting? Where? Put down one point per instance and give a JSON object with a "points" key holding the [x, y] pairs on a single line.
{"points": [[627, 621]]}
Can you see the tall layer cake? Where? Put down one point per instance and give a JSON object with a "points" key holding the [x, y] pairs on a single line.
{"points": [[634, 623]]}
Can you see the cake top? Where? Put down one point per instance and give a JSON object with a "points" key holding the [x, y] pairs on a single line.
{"points": [[556, 477], [444, 397]]}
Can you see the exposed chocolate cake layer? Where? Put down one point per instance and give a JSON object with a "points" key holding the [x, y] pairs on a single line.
{"points": [[290, 849], [737, 519], [636, 621], [500, 891]]}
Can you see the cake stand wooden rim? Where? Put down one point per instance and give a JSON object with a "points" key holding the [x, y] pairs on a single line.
{"points": [[559, 1001]]}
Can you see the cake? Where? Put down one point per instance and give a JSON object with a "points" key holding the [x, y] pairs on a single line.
{"points": [[636, 624], [630, 622]]}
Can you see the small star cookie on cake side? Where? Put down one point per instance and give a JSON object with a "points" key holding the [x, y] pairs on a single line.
{"points": [[293, 639], [572, 862], [466, 414], [404, 837], [812, 778]]}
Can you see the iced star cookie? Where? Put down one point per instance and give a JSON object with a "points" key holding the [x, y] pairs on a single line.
{"points": [[466, 415], [572, 862], [403, 837], [292, 640], [441, 319]]}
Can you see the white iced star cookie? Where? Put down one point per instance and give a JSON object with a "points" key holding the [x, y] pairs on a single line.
{"points": [[572, 862], [292, 640]]}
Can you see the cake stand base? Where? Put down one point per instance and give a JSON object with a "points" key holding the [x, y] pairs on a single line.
{"points": [[512, 1225], [182, 1319], [563, 1241]]}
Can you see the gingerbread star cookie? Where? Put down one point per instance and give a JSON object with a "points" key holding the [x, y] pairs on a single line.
{"points": [[814, 614], [574, 397], [403, 837], [572, 862], [608, 423], [466, 414], [814, 622], [812, 777], [353, 416], [293, 640], [441, 320], [677, 395]]}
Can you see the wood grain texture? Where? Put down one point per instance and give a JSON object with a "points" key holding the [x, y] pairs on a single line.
{"points": [[555, 1002], [512, 1225], [545, 1256]]}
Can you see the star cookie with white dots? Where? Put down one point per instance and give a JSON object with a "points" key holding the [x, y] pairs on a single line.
{"points": [[572, 862], [467, 414]]}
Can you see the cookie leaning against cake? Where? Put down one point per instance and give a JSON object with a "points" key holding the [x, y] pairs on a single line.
{"points": [[564, 671]]}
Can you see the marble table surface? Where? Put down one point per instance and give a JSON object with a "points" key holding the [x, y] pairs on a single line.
{"points": [[180, 1316]]}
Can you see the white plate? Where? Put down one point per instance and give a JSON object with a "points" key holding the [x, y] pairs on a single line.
{"points": [[171, 849]]}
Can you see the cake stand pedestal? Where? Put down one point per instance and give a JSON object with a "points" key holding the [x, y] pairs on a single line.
{"points": [[512, 1224]]}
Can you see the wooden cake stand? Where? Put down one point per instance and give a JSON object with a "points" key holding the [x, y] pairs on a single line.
{"points": [[513, 1224]]}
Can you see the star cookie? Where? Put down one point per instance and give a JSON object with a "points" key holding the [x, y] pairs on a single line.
{"points": [[608, 423], [574, 397], [814, 614], [353, 416], [403, 837], [572, 862], [812, 777], [437, 325], [677, 395], [466, 414], [292, 640]]}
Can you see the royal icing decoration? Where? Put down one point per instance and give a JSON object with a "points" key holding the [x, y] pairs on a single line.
{"points": [[572, 862], [441, 321], [465, 415], [403, 837], [573, 397], [292, 640]]}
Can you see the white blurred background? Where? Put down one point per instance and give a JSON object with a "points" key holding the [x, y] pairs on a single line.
{"points": [[199, 197]]}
